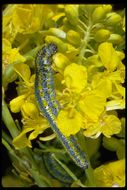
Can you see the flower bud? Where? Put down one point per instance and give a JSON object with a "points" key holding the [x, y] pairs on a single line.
{"points": [[107, 8], [72, 14], [120, 54], [98, 14], [73, 37], [61, 45], [115, 39], [110, 143], [88, 8], [60, 60], [113, 18], [57, 32], [102, 35]]}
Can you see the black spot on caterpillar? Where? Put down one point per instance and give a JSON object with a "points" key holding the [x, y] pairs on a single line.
{"points": [[48, 105]]}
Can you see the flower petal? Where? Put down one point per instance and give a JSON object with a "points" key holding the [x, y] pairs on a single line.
{"points": [[75, 77], [69, 125], [16, 103]]}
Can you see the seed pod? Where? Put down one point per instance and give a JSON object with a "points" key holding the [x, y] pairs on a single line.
{"points": [[73, 37], [72, 14], [102, 35], [113, 19]]}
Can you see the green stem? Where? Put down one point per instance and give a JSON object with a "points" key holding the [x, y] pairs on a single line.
{"points": [[8, 120], [85, 42], [53, 150], [10, 124], [89, 171], [7, 137], [5, 143], [23, 45]]}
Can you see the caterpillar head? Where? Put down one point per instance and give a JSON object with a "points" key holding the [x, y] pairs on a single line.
{"points": [[50, 49]]}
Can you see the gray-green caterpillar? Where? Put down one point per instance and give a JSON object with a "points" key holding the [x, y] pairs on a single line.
{"points": [[46, 100]]}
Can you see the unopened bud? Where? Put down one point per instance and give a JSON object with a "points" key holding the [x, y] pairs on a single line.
{"points": [[120, 54], [98, 14], [107, 8], [102, 35], [115, 39], [72, 13], [73, 37], [60, 60], [113, 19], [110, 143], [57, 32]]}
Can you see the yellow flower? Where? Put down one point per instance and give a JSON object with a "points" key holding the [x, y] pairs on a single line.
{"points": [[107, 125], [25, 89], [75, 77], [16, 103], [111, 174], [102, 84], [92, 105], [35, 15], [108, 83], [108, 56], [24, 18], [111, 125], [11, 55], [69, 121], [33, 123]]}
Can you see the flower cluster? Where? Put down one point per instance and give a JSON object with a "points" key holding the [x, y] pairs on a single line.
{"points": [[89, 71], [90, 68]]}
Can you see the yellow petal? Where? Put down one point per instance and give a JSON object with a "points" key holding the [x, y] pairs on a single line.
{"points": [[108, 56], [48, 138], [115, 104], [16, 103], [6, 45], [69, 125], [16, 56], [92, 105], [23, 70], [110, 174], [75, 77], [29, 110], [21, 140], [112, 125]]}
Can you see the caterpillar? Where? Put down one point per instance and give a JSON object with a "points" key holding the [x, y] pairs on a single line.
{"points": [[56, 170], [48, 105]]}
